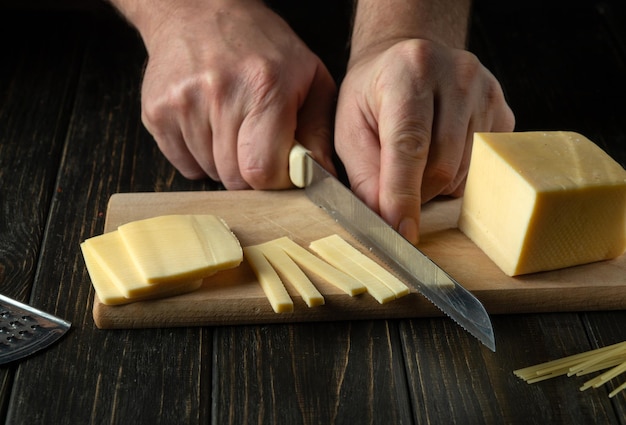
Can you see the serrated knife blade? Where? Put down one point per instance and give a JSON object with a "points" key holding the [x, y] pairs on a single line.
{"points": [[402, 257]]}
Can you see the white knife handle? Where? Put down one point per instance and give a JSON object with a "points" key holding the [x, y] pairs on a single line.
{"points": [[299, 165]]}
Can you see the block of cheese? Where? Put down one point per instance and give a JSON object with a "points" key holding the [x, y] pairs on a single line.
{"points": [[180, 247], [538, 201]]}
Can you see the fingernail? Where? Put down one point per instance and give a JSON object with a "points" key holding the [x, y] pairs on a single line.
{"points": [[408, 229]]}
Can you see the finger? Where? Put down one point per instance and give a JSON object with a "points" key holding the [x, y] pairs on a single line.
{"points": [[491, 113], [265, 139], [358, 147], [499, 116], [171, 142], [226, 149], [315, 118], [195, 124], [405, 135], [504, 118], [457, 185], [448, 157]]}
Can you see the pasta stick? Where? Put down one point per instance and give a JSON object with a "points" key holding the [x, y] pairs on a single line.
{"points": [[561, 366], [617, 370], [617, 390], [612, 356], [596, 359]]}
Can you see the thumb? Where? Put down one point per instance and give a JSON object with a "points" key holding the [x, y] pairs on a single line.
{"points": [[315, 118]]}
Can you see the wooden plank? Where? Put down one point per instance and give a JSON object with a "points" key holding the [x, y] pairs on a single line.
{"points": [[152, 376], [338, 372], [34, 113], [455, 380], [606, 329], [235, 297], [549, 73]]}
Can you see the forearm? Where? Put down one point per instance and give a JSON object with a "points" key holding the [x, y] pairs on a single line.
{"points": [[145, 15], [381, 23], [150, 16]]}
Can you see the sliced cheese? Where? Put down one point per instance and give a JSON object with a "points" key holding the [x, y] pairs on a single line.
{"points": [[381, 284], [110, 253], [269, 280], [313, 264], [177, 247], [110, 294], [538, 201], [291, 273]]}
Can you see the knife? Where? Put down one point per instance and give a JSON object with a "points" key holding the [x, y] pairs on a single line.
{"points": [[401, 256]]}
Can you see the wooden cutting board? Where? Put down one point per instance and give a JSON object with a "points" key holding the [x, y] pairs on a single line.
{"points": [[235, 297]]}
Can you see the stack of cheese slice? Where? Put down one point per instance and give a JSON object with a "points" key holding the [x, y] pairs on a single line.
{"points": [[537, 201], [158, 257]]}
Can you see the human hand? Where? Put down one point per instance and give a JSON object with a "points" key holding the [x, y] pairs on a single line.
{"points": [[228, 87], [405, 119]]}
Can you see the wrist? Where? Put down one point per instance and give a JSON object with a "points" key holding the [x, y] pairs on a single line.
{"points": [[379, 25], [152, 18]]}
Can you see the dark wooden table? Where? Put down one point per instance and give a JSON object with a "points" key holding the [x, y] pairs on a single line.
{"points": [[71, 135]]}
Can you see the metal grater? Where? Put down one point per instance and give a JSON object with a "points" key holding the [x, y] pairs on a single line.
{"points": [[25, 330]]}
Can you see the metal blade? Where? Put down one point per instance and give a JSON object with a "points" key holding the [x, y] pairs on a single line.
{"points": [[25, 330], [403, 258]]}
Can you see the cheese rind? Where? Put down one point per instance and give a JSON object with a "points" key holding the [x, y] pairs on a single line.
{"points": [[180, 247], [539, 201]]}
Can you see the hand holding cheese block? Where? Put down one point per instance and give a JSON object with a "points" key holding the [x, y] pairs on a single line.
{"points": [[539, 201]]}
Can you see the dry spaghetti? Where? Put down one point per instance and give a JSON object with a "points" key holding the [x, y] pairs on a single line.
{"points": [[612, 357]]}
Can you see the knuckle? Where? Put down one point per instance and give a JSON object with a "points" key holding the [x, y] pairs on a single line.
{"points": [[468, 71], [441, 174], [417, 51], [492, 93], [263, 76], [411, 139], [185, 96], [258, 174], [258, 178], [192, 173]]}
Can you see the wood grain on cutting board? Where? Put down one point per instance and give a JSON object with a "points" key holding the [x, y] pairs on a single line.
{"points": [[235, 297]]}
